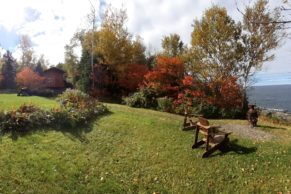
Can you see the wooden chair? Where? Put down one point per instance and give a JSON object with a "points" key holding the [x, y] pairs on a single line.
{"points": [[214, 139], [190, 121]]}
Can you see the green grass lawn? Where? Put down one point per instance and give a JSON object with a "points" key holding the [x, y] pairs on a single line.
{"points": [[10, 101], [140, 151]]}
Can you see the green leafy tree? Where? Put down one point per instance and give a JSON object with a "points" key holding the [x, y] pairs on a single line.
{"points": [[222, 48], [216, 46], [27, 57], [138, 51], [172, 45], [262, 33], [71, 63], [113, 44]]}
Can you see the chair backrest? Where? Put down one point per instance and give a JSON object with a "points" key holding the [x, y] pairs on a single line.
{"points": [[203, 121]]}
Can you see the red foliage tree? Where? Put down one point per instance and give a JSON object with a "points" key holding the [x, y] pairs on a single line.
{"points": [[191, 91], [132, 77], [166, 77], [105, 81], [226, 93], [28, 78], [223, 93]]}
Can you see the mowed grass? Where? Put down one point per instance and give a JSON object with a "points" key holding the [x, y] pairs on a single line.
{"points": [[12, 101], [139, 151]]}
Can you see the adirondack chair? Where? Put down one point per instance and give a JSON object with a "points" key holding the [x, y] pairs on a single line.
{"points": [[212, 137], [190, 121]]}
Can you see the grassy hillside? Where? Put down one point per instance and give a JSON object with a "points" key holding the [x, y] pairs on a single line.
{"points": [[10, 101], [140, 151]]}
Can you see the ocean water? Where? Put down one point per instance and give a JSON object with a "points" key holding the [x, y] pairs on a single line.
{"points": [[271, 97]]}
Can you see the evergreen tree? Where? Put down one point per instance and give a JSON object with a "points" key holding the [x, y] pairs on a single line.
{"points": [[84, 72], [9, 71], [38, 69]]}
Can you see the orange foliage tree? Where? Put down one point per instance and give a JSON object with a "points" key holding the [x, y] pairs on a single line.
{"points": [[166, 77], [28, 78]]}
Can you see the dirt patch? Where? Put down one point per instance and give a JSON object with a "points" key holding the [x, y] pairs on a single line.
{"points": [[248, 132]]}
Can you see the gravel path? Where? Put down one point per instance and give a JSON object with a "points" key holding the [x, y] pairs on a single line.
{"points": [[248, 132]]}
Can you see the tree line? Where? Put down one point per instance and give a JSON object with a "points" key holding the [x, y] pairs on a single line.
{"points": [[26, 71], [215, 69]]}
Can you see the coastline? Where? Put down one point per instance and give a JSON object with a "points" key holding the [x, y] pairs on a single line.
{"points": [[276, 115]]}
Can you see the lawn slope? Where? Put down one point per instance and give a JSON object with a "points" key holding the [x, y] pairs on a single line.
{"points": [[11, 101], [139, 151]]}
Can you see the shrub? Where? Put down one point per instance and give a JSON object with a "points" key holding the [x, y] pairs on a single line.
{"points": [[144, 98], [209, 111], [165, 104], [24, 118], [77, 108]]}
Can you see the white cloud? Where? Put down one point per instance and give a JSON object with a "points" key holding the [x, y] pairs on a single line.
{"points": [[51, 24], [52, 28]]}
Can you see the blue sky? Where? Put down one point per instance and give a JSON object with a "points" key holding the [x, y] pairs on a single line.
{"points": [[52, 23]]}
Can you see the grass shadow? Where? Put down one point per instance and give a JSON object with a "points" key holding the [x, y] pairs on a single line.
{"points": [[235, 148], [73, 132]]}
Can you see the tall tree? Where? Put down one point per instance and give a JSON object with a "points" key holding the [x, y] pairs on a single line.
{"points": [[216, 48], [84, 76], [27, 54], [114, 45], [222, 48], [8, 71], [138, 51], [262, 33], [172, 45], [71, 63]]}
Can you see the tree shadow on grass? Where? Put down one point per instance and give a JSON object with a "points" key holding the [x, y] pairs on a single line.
{"points": [[72, 132], [235, 148]]}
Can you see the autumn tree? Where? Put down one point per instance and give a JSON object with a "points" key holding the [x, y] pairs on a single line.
{"points": [[216, 47], [222, 48], [172, 45], [28, 78], [262, 33], [113, 46], [133, 77], [112, 41], [223, 94], [166, 76]]}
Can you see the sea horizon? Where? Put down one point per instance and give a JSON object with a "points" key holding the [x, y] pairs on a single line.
{"points": [[271, 96]]}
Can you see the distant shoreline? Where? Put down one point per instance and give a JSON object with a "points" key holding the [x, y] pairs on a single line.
{"points": [[270, 85], [271, 97]]}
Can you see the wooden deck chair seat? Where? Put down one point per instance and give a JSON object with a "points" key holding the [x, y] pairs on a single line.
{"points": [[212, 137], [190, 121]]}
